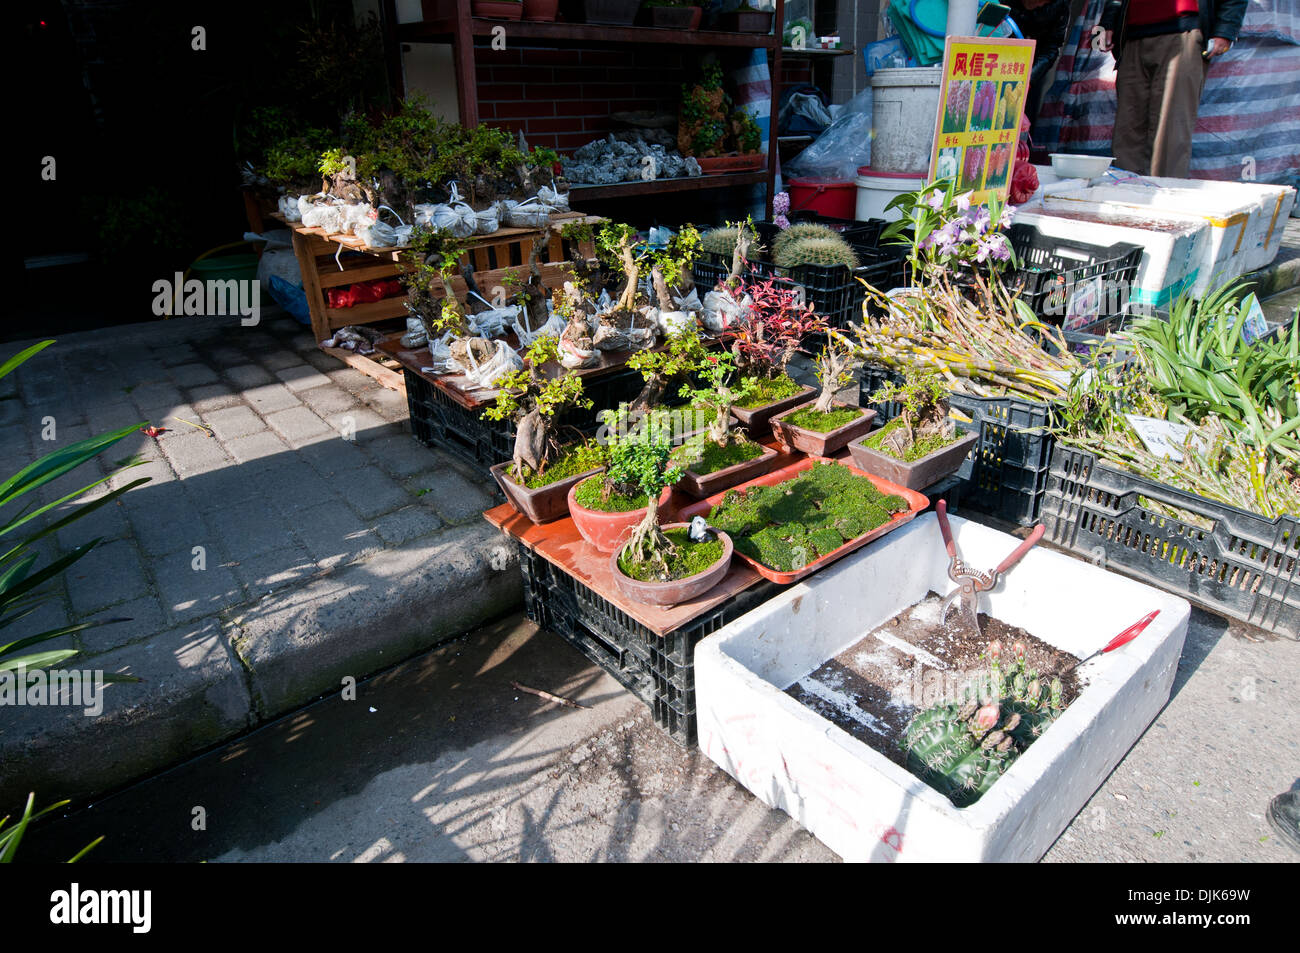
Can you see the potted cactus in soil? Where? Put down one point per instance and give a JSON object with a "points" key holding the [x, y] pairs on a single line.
{"points": [[606, 507], [667, 565], [921, 444], [764, 338], [722, 456], [812, 244], [826, 425], [538, 478]]}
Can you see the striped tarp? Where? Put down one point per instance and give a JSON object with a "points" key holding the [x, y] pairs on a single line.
{"points": [[1249, 121]]}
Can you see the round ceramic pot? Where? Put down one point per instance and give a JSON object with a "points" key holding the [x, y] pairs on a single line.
{"points": [[544, 10], [498, 9], [679, 590], [608, 531]]}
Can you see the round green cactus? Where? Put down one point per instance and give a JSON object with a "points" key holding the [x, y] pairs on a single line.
{"points": [[722, 241], [816, 251], [799, 231]]}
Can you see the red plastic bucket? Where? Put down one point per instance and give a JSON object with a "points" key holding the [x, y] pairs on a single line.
{"points": [[836, 199]]}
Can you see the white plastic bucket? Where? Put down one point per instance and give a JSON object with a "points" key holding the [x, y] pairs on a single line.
{"points": [[904, 104], [876, 190]]}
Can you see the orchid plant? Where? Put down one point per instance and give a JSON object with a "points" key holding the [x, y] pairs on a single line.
{"points": [[943, 229]]}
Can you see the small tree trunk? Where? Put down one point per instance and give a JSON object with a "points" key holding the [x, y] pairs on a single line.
{"points": [[739, 255], [650, 394], [648, 543], [720, 427], [666, 302], [530, 442], [627, 300]]}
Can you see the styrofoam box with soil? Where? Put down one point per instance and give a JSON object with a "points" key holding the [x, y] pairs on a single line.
{"points": [[860, 803]]}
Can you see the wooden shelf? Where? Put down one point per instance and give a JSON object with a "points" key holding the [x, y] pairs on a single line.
{"points": [[585, 33], [816, 51], [579, 193]]}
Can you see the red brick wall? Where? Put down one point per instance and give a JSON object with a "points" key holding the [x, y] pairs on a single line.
{"points": [[562, 99]]}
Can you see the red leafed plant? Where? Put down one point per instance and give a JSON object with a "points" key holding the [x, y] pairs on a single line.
{"points": [[768, 332], [1024, 177]]}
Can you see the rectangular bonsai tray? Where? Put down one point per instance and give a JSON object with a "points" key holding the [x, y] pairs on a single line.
{"points": [[856, 800]]}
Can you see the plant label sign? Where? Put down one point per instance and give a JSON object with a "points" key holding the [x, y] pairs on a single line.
{"points": [[1084, 306], [981, 102], [1251, 315], [1163, 438]]}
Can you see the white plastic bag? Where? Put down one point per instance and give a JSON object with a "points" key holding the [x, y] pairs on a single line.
{"points": [[494, 323], [357, 217], [288, 206], [529, 213], [721, 309], [486, 374], [487, 221], [415, 335]]}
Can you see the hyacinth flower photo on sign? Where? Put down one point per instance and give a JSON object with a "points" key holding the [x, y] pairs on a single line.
{"points": [[981, 102]]}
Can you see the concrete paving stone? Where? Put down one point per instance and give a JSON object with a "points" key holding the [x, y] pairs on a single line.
{"points": [[280, 357], [333, 534], [212, 397], [256, 446], [268, 398], [193, 375], [245, 376], [107, 522], [173, 355], [332, 458], [269, 571], [225, 356], [252, 527], [456, 498], [303, 650], [156, 400], [297, 486], [391, 404], [49, 615], [188, 593], [328, 399], [12, 412], [301, 377], [402, 456], [110, 573], [165, 519], [194, 694], [213, 492], [157, 471], [195, 453], [146, 620], [233, 422], [174, 422], [408, 523], [298, 425], [313, 355], [361, 424], [15, 448], [350, 379], [109, 416], [255, 340], [371, 492]]}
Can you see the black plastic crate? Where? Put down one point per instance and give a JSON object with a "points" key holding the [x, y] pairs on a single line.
{"points": [[441, 422], [1051, 270], [659, 670], [1242, 564], [1006, 476]]}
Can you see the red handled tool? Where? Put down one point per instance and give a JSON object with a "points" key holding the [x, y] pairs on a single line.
{"points": [[1124, 638], [971, 582]]}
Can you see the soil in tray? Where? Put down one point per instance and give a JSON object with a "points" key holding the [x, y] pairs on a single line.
{"points": [[687, 560], [810, 419], [715, 458], [570, 462], [922, 448], [874, 687], [769, 391]]}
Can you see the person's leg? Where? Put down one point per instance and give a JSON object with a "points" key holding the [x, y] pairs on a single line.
{"points": [[1132, 95], [1180, 83]]}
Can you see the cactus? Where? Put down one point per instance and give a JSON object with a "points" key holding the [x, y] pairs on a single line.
{"points": [[722, 241], [816, 251], [801, 230], [960, 749]]}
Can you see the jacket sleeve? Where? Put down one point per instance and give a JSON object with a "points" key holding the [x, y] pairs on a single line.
{"points": [[1227, 19], [1113, 12]]}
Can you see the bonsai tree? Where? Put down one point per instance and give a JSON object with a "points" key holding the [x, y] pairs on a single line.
{"points": [[703, 123], [433, 256], [532, 398], [671, 266], [922, 424], [640, 462], [833, 370], [766, 336], [683, 354], [615, 246], [721, 393]]}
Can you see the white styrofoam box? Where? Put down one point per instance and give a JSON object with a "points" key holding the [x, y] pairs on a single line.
{"points": [[854, 799], [1262, 237], [1047, 176], [1171, 256], [1226, 215]]}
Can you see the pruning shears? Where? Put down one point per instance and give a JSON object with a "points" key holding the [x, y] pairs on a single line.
{"points": [[970, 581]]}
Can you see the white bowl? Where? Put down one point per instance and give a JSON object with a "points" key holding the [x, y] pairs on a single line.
{"points": [[1069, 166]]}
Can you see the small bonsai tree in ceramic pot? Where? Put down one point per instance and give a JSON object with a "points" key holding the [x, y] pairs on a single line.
{"points": [[666, 367], [921, 444], [722, 455], [542, 471], [826, 425], [625, 327], [766, 335]]}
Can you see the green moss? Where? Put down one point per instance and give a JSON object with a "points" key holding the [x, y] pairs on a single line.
{"points": [[588, 494], [922, 448], [788, 525], [810, 419], [770, 390], [572, 460], [715, 458], [688, 559]]}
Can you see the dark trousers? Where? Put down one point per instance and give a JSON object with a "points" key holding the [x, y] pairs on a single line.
{"points": [[1158, 91]]}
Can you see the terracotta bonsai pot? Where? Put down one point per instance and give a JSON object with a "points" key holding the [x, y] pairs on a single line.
{"points": [[756, 420], [608, 531], [813, 442], [679, 590], [544, 10], [918, 474], [543, 504], [498, 9], [720, 165], [702, 485], [676, 18]]}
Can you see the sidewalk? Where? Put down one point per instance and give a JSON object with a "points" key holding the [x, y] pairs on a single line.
{"points": [[308, 539]]}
